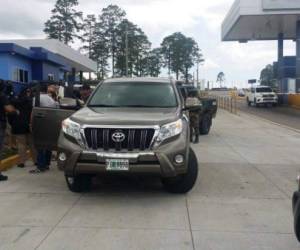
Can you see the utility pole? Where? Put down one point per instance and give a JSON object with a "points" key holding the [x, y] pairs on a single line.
{"points": [[90, 46], [126, 49], [197, 72]]}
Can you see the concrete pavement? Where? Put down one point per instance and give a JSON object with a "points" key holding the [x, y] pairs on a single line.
{"points": [[242, 200], [287, 116]]}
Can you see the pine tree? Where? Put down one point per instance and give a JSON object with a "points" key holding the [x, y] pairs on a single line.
{"points": [[180, 53], [137, 49], [110, 19], [101, 51], [89, 35], [172, 50], [154, 62], [65, 22]]}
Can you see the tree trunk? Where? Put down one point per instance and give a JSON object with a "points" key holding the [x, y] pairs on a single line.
{"points": [[186, 75], [113, 62], [169, 65]]}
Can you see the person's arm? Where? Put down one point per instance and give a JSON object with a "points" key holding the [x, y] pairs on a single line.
{"points": [[11, 110], [8, 108]]}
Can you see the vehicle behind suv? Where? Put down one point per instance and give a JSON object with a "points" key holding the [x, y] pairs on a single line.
{"points": [[129, 125], [208, 109], [262, 95]]}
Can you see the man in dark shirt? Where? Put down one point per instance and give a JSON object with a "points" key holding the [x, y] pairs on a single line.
{"points": [[5, 107], [85, 92]]}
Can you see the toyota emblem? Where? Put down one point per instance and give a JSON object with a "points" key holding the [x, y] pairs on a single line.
{"points": [[118, 136]]}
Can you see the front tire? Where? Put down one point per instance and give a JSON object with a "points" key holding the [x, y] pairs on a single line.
{"points": [[248, 102], [79, 183], [255, 104], [205, 124], [183, 183]]}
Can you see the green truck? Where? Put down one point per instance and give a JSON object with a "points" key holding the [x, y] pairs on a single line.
{"points": [[208, 110]]}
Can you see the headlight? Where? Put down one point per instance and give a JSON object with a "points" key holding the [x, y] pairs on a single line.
{"points": [[169, 130], [72, 129]]}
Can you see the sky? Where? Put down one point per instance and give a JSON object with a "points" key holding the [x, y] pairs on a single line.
{"points": [[200, 19]]}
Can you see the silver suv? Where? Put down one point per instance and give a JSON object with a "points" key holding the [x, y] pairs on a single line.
{"points": [[129, 125]]}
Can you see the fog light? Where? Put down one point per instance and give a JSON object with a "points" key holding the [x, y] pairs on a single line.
{"points": [[179, 159], [62, 157]]}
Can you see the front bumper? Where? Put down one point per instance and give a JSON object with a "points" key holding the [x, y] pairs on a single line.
{"points": [[266, 100], [159, 161]]}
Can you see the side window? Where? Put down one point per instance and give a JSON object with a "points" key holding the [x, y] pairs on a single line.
{"points": [[26, 76], [15, 76], [51, 77], [20, 75]]}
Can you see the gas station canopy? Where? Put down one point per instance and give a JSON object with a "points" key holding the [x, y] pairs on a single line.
{"points": [[261, 20]]}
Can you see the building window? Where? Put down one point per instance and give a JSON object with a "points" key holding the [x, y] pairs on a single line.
{"points": [[20, 75], [25, 76], [51, 77]]}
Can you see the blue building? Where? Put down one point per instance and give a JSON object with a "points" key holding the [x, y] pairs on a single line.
{"points": [[23, 61]]}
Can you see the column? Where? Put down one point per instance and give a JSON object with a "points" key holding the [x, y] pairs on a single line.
{"points": [[280, 73], [72, 76], [80, 76], [298, 57]]}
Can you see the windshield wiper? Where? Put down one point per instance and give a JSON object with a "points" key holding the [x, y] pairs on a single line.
{"points": [[126, 106], [137, 106], [103, 106], [146, 106]]}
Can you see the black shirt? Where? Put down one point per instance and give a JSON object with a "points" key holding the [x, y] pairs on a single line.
{"points": [[20, 122], [3, 102]]}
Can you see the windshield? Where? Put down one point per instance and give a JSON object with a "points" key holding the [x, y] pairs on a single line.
{"points": [[137, 94], [261, 90]]}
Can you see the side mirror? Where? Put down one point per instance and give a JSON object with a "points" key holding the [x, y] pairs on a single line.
{"points": [[68, 103], [192, 104]]}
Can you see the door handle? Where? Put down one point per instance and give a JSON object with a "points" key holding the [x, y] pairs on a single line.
{"points": [[40, 115]]}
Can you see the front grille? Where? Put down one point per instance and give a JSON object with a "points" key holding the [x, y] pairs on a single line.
{"points": [[268, 95], [129, 139]]}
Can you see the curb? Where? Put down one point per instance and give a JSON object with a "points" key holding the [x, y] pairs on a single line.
{"points": [[9, 162]]}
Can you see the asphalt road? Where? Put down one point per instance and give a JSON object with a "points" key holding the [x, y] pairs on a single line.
{"points": [[282, 115]]}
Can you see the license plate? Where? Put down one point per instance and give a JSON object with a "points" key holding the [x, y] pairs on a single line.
{"points": [[117, 165]]}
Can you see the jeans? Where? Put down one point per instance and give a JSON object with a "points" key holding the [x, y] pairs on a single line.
{"points": [[44, 159], [2, 136]]}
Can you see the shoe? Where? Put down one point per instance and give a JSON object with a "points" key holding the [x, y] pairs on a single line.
{"points": [[3, 177], [47, 168], [196, 139], [36, 171], [22, 165]]}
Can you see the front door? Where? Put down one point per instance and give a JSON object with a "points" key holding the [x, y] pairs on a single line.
{"points": [[46, 126]]}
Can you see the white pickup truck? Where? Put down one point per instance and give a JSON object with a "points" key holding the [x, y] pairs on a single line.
{"points": [[262, 95]]}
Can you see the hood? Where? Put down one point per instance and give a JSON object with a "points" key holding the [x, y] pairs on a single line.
{"points": [[126, 116]]}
